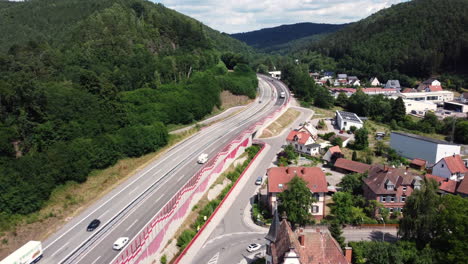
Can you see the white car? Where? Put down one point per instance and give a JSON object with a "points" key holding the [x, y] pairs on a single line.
{"points": [[202, 158], [253, 247], [120, 243]]}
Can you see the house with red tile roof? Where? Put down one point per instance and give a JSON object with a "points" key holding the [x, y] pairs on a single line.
{"points": [[445, 185], [451, 167], [430, 85], [332, 154], [350, 166], [279, 177], [462, 188], [303, 139], [285, 246], [390, 186]]}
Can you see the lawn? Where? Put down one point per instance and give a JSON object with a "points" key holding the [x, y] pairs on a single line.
{"points": [[281, 123]]}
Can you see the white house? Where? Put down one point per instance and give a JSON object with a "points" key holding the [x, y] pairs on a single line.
{"points": [[345, 120], [275, 74], [413, 146], [451, 167], [418, 107], [303, 139], [374, 82]]}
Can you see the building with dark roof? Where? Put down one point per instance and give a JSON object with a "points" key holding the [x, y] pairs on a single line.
{"points": [[345, 120], [390, 186], [393, 84], [413, 146], [279, 177], [285, 246], [350, 166]]}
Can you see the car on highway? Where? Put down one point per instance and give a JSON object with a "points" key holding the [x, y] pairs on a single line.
{"points": [[253, 247], [258, 181], [120, 243], [93, 225]]}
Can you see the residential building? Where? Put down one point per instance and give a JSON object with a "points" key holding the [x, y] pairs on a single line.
{"points": [[395, 84], [446, 186], [303, 139], [279, 177], [328, 74], [374, 81], [314, 75], [462, 188], [413, 146], [430, 85], [354, 81], [332, 154], [345, 120], [419, 107], [451, 167], [275, 74], [464, 98], [350, 166], [343, 138], [390, 186], [285, 246], [435, 97], [342, 76]]}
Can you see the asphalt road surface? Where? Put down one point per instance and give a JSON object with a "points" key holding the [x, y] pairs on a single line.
{"points": [[125, 210]]}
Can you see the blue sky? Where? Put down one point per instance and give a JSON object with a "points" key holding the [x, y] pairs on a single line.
{"points": [[247, 15]]}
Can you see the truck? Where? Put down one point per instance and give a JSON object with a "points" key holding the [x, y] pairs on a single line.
{"points": [[30, 252], [282, 94], [202, 158]]}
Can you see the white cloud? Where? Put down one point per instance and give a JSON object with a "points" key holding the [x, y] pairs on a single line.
{"points": [[246, 15]]}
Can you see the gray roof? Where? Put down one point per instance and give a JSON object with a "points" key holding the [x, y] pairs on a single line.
{"points": [[349, 116], [352, 78], [392, 84], [342, 76], [432, 140], [274, 228], [313, 145], [429, 81]]}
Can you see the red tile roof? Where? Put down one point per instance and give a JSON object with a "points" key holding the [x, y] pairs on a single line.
{"points": [[334, 149], [353, 166], [301, 136], [435, 88], [408, 90], [319, 248], [419, 162], [455, 164], [445, 184], [463, 187], [314, 177]]}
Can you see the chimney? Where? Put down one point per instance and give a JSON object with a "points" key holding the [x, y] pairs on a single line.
{"points": [[348, 254], [302, 239], [385, 168]]}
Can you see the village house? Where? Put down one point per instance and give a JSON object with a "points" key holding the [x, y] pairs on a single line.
{"points": [[390, 186], [332, 154], [285, 246], [354, 81], [279, 177], [349, 166], [430, 85], [345, 120], [418, 164], [446, 186], [374, 82], [464, 98], [342, 76], [413, 146], [394, 84], [304, 139], [451, 167]]}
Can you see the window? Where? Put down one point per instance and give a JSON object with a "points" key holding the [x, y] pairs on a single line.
{"points": [[403, 198], [391, 209], [308, 149], [383, 199], [390, 187], [316, 196], [392, 199], [315, 209], [404, 188], [442, 165]]}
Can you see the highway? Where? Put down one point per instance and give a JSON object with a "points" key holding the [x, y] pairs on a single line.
{"points": [[125, 210]]}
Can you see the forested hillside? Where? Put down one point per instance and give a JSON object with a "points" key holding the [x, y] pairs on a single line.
{"points": [[272, 39], [84, 83], [418, 38]]}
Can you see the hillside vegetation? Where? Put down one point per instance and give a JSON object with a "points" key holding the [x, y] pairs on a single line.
{"points": [[418, 38], [276, 38], [84, 83]]}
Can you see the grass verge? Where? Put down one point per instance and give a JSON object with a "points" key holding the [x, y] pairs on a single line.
{"points": [[281, 123]]}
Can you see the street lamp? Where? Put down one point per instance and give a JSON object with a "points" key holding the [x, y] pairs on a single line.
{"points": [[383, 232]]}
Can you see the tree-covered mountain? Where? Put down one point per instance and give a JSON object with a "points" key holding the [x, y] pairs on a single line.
{"points": [[271, 39], [84, 83], [418, 38]]}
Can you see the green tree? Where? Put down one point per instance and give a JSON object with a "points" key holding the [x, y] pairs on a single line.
{"points": [[361, 138], [352, 183], [337, 141], [342, 207], [342, 100], [461, 132], [398, 109], [337, 233], [354, 156], [296, 201]]}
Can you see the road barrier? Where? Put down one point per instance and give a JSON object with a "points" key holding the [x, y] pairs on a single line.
{"points": [[145, 246]]}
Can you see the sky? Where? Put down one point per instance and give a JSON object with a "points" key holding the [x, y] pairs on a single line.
{"points": [[246, 15]]}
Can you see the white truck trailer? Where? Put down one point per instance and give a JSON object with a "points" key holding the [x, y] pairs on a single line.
{"points": [[31, 252]]}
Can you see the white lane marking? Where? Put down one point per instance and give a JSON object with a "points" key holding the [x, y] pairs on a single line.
{"points": [[132, 191], [131, 225], [96, 260], [103, 214], [214, 259], [58, 250], [180, 178]]}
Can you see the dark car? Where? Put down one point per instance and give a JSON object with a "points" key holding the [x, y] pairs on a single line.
{"points": [[93, 225]]}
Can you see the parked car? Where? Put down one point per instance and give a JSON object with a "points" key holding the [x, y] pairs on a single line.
{"points": [[259, 180], [120, 243], [93, 225], [253, 247]]}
